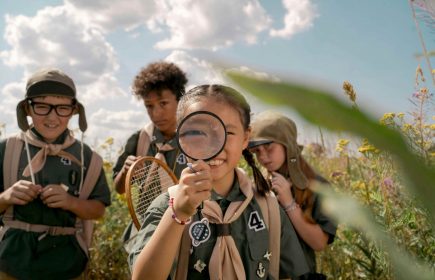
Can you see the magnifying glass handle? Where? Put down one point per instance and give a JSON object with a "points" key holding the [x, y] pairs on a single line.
{"points": [[201, 206]]}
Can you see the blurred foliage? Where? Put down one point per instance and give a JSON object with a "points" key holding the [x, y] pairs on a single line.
{"points": [[386, 219], [385, 229], [108, 257]]}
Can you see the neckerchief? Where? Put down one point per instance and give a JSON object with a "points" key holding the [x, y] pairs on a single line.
{"points": [[47, 149], [225, 261]]}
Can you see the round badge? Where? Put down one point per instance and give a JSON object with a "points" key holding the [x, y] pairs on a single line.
{"points": [[199, 232]]}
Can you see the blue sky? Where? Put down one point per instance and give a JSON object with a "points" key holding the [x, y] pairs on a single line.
{"points": [[103, 44]]}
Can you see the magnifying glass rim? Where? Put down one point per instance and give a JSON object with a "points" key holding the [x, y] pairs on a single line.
{"points": [[197, 113]]}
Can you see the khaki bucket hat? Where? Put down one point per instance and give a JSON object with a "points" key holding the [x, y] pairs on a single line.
{"points": [[49, 82], [271, 126]]}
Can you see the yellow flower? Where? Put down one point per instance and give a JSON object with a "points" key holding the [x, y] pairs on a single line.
{"points": [[341, 144], [109, 141], [366, 147], [432, 126], [400, 115], [387, 118]]}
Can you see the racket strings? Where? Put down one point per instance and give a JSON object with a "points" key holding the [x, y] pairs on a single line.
{"points": [[148, 181]]}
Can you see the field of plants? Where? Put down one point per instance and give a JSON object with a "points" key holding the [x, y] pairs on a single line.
{"points": [[370, 175]]}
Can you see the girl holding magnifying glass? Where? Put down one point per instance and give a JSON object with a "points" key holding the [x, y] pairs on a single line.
{"points": [[234, 242], [273, 141]]}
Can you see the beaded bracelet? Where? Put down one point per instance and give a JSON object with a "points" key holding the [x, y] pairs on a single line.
{"points": [[292, 206], [174, 216]]}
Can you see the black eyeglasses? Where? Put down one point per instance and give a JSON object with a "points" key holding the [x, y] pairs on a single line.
{"points": [[43, 109]]}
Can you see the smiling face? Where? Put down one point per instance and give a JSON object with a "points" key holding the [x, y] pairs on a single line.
{"points": [[162, 110], [52, 125], [223, 165]]}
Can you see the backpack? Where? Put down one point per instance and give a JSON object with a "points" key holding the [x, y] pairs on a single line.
{"points": [[82, 230]]}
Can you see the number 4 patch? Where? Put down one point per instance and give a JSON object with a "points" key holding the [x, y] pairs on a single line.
{"points": [[255, 222]]}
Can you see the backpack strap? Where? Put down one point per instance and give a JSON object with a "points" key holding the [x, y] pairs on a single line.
{"points": [[14, 145], [144, 140], [85, 228], [270, 209]]}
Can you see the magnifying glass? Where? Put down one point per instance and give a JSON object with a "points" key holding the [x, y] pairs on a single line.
{"points": [[201, 135]]}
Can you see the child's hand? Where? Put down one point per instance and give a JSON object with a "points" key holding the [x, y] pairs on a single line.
{"points": [[128, 162], [21, 193], [282, 188], [194, 187], [56, 196]]}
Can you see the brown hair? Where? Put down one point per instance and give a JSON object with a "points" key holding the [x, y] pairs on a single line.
{"points": [[303, 195], [234, 99], [159, 76]]}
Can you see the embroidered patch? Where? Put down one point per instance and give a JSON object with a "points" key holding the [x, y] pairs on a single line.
{"points": [[181, 159], [65, 161], [261, 271], [267, 255], [199, 232], [199, 266], [255, 222]]}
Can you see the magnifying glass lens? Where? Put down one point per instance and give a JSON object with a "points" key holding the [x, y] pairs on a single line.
{"points": [[201, 135]]}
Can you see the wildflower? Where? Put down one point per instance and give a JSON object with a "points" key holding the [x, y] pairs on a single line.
{"points": [[400, 115], [341, 145], [387, 118], [107, 165], [366, 148], [432, 126], [419, 72], [109, 141], [349, 91], [388, 182]]}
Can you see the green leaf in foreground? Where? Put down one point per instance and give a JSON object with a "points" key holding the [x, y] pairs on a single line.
{"points": [[322, 108], [346, 210]]}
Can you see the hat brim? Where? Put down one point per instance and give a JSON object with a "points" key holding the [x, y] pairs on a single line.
{"points": [[255, 143]]}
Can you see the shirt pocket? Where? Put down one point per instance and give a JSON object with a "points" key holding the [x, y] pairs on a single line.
{"points": [[258, 243]]}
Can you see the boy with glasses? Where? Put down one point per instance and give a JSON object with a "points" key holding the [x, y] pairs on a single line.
{"points": [[51, 185]]}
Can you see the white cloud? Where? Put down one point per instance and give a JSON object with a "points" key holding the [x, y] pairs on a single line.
{"points": [[110, 15], [211, 24], [117, 124], [57, 37], [300, 16], [11, 94], [189, 24], [199, 71]]}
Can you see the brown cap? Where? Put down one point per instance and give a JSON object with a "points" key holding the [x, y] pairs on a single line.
{"points": [[46, 82], [275, 127]]}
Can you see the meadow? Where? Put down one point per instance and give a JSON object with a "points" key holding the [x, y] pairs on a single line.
{"points": [[355, 167]]}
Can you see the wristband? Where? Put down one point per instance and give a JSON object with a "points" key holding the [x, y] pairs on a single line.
{"points": [[292, 206], [174, 216]]}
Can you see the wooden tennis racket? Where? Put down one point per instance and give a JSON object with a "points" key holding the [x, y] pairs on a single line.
{"points": [[146, 179]]}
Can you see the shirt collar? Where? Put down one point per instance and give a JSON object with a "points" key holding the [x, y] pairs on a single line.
{"points": [[235, 193]]}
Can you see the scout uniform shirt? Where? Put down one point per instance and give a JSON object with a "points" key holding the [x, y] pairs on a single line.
{"points": [[31, 255], [250, 236], [175, 160], [325, 224]]}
